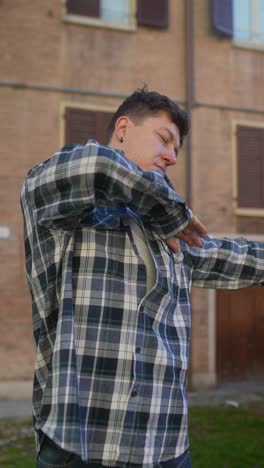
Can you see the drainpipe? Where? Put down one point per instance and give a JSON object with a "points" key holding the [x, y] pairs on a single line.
{"points": [[190, 102], [190, 91]]}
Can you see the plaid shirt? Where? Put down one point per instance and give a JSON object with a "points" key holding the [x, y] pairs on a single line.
{"points": [[112, 358]]}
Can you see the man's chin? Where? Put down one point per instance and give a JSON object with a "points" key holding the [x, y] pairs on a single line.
{"points": [[159, 169]]}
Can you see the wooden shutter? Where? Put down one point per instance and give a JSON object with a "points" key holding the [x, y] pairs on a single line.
{"points": [[102, 120], [222, 16], [154, 13], [83, 7], [250, 158], [82, 124], [239, 334]]}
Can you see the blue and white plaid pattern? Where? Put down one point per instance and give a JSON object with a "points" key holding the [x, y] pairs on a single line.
{"points": [[112, 358]]}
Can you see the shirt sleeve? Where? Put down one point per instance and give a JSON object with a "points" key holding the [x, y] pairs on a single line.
{"points": [[226, 263], [64, 189]]}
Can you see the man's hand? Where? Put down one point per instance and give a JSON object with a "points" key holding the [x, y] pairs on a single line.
{"points": [[190, 234]]}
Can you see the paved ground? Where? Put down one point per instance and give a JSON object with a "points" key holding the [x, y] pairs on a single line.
{"points": [[229, 394], [232, 394], [15, 409]]}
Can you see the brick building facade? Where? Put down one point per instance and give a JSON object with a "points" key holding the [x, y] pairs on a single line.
{"points": [[54, 59]]}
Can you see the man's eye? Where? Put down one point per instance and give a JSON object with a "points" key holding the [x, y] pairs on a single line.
{"points": [[164, 139]]}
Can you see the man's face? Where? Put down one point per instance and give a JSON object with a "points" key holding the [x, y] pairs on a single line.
{"points": [[153, 143]]}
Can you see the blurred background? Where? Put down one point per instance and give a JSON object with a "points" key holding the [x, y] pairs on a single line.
{"points": [[65, 67]]}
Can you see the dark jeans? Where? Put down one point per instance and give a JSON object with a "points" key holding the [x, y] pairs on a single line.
{"points": [[52, 456]]}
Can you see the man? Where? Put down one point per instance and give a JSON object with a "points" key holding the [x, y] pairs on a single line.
{"points": [[110, 291]]}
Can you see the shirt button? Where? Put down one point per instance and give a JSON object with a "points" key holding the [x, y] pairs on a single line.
{"points": [[134, 393], [141, 267], [138, 349]]}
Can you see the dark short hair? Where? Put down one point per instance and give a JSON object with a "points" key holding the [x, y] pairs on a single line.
{"points": [[143, 103]]}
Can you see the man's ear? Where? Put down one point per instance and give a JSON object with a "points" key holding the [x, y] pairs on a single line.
{"points": [[121, 127]]}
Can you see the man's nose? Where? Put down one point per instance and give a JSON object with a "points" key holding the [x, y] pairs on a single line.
{"points": [[169, 155]]}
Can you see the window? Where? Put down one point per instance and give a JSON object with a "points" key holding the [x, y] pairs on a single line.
{"points": [[249, 170], [248, 20], [115, 11], [119, 11], [122, 14], [241, 19]]}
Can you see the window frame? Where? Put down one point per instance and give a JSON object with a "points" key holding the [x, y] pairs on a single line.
{"points": [[252, 43], [101, 22], [240, 211]]}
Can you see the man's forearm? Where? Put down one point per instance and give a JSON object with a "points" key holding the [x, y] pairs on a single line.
{"points": [[72, 183]]}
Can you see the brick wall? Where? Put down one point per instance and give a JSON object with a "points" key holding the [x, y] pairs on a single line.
{"points": [[228, 79], [38, 48]]}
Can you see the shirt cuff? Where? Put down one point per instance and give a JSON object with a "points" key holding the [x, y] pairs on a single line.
{"points": [[171, 224]]}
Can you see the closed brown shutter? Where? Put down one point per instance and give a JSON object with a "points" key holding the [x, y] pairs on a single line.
{"points": [[102, 120], [83, 7], [82, 124], [250, 149], [154, 13], [222, 16]]}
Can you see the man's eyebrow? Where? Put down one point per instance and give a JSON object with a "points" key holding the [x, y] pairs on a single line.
{"points": [[172, 136]]}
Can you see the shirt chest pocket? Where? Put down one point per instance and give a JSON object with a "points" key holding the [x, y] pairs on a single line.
{"points": [[98, 252]]}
